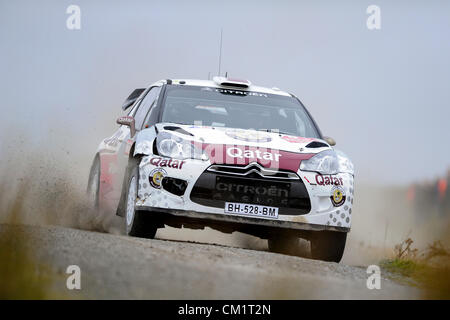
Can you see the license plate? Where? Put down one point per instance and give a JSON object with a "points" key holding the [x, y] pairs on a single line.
{"points": [[251, 210]]}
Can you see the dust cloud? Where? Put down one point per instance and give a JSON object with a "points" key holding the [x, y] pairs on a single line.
{"points": [[383, 217], [48, 177]]}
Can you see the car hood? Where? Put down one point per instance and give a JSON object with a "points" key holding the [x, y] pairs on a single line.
{"points": [[239, 146], [241, 137]]}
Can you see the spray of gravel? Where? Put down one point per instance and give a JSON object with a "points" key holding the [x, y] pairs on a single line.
{"points": [[49, 175]]}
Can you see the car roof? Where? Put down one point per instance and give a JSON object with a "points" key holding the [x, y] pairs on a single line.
{"points": [[211, 83]]}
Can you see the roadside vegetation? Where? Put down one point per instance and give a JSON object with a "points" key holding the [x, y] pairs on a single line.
{"points": [[428, 269]]}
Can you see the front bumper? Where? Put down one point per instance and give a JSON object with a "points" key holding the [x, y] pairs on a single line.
{"points": [[235, 219], [322, 214]]}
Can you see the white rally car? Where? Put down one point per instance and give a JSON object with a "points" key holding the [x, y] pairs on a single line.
{"points": [[228, 155]]}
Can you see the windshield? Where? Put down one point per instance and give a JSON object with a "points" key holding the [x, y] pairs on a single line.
{"points": [[219, 107]]}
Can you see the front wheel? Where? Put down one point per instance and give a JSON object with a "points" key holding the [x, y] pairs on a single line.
{"points": [[137, 223], [328, 245]]}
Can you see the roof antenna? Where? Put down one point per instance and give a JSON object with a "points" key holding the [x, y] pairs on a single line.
{"points": [[220, 51]]}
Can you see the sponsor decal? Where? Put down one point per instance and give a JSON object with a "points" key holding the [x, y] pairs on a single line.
{"points": [[156, 176], [243, 155], [167, 163], [296, 139], [239, 92], [235, 152], [248, 136], [327, 180], [271, 191], [337, 196]]}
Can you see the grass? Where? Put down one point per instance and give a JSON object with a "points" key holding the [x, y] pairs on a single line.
{"points": [[403, 267]]}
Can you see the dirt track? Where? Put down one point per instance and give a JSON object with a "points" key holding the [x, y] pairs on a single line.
{"points": [[114, 266]]}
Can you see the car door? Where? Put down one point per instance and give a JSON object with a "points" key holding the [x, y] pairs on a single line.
{"points": [[112, 167], [139, 113]]}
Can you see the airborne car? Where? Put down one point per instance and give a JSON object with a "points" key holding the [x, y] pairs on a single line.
{"points": [[228, 155]]}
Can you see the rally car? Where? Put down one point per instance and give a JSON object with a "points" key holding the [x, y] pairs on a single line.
{"points": [[228, 155]]}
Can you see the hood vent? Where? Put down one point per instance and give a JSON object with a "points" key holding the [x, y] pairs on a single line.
{"points": [[178, 129], [316, 144]]}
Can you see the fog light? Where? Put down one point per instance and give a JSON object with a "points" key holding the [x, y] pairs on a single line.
{"points": [[174, 185]]}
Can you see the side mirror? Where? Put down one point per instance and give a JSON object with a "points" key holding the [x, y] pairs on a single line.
{"points": [[129, 122], [330, 141]]}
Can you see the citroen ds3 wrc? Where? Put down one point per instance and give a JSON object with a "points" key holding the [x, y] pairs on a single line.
{"points": [[228, 155]]}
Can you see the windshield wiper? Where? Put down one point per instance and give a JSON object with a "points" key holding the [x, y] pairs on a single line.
{"points": [[276, 131]]}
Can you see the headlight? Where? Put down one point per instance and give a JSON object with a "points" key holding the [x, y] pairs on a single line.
{"points": [[325, 162], [328, 162], [172, 146], [345, 165]]}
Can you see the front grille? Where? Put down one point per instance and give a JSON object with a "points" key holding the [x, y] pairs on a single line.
{"points": [[250, 184], [254, 168]]}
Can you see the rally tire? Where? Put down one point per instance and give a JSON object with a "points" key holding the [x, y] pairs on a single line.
{"points": [[137, 223], [328, 245]]}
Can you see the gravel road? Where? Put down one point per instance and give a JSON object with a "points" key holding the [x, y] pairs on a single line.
{"points": [[115, 266]]}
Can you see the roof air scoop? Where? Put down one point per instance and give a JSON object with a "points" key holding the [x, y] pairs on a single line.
{"points": [[231, 82]]}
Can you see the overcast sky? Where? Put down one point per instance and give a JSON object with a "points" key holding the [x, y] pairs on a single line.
{"points": [[382, 94]]}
